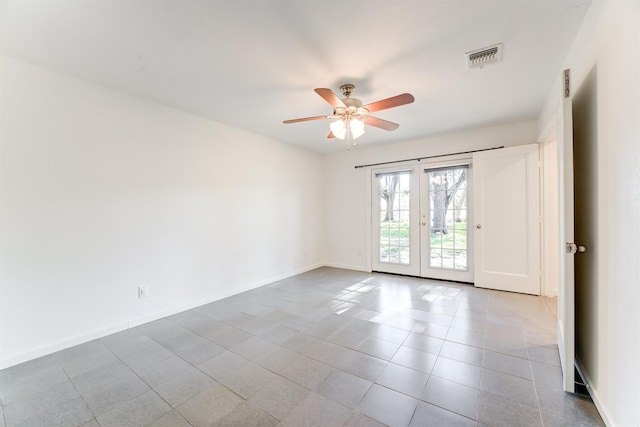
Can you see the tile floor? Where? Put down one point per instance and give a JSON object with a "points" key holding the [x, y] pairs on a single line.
{"points": [[326, 348]]}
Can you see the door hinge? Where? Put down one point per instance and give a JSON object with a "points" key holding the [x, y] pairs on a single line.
{"points": [[567, 83]]}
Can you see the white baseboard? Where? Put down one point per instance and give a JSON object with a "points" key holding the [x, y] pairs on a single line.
{"points": [[348, 267], [121, 326], [216, 297], [43, 350], [594, 395]]}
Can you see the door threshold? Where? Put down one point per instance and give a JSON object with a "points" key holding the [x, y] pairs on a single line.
{"points": [[427, 278]]}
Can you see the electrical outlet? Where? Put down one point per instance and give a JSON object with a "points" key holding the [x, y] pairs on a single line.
{"points": [[143, 291]]}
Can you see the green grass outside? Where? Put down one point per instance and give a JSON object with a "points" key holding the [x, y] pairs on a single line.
{"points": [[456, 236]]}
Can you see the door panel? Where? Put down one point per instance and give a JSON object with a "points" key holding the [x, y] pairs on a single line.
{"points": [[566, 293], [445, 215], [566, 290], [585, 184], [507, 211], [395, 216]]}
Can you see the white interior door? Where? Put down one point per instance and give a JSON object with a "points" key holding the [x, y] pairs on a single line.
{"points": [[507, 219], [445, 215], [395, 220], [566, 290]]}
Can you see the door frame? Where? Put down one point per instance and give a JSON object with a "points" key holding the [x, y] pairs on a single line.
{"points": [[418, 187]]}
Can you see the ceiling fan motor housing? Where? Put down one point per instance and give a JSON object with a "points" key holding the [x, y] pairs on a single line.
{"points": [[353, 107]]}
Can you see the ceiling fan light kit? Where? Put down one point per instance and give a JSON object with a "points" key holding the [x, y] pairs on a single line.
{"points": [[354, 127], [351, 116]]}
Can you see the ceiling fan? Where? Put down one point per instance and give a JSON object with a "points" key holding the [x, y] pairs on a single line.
{"points": [[351, 116]]}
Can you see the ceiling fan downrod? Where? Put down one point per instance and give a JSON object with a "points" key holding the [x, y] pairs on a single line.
{"points": [[347, 89]]}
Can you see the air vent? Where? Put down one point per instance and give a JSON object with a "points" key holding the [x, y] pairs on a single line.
{"points": [[481, 57]]}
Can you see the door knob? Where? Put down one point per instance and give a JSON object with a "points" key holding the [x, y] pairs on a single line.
{"points": [[478, 226], [572, 248]]}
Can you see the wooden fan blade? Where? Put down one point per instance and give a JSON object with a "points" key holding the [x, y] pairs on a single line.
{"points": [[331, 135], [330, 96], [382, 124], [305, 119], [394, 101]]}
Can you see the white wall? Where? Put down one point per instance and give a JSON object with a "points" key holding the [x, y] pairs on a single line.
{"points": [[347, 189], [609, 40], [101, 192]]}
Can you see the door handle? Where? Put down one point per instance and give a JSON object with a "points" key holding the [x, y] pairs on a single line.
{"points": [[478, 226], [572, 248]]}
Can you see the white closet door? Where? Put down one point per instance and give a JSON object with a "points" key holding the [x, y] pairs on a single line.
{"points": [[507, 219]]}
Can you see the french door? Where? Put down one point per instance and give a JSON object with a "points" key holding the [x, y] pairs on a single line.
{"points": [[445, 244], [420, 221], [395, 231], [475, 220]]}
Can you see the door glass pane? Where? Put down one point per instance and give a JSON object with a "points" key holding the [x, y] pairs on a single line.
{"points": [[448, 218], [394, 218]]}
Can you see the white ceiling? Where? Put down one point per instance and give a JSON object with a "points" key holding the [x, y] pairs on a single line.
{"points": [[252, 64]]}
